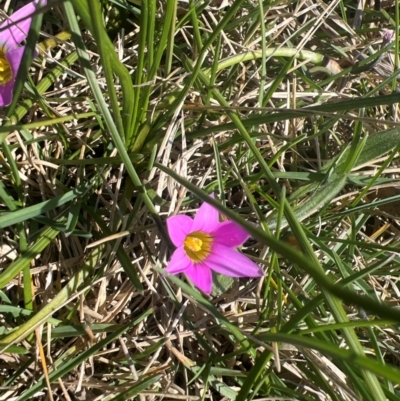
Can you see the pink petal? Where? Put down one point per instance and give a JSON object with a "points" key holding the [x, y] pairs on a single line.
{"points": [[230, 234], [6, 93], [179, 262], [206, 219], [178, 228], [228, 261], [387, 35], [14, 57], [13, 34], [201, 276]]}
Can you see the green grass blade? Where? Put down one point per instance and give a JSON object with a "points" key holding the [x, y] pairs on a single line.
{"points": [[388, 372], [46, 237], [31, 212], [381, 309], [118, 141], [74, 362]]}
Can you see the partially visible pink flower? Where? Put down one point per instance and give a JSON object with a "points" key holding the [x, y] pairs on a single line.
{"points": [[11, 36], [387, 36], [204, 244]]}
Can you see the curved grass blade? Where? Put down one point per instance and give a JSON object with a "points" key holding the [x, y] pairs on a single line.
{"points": [[336, 307], [79, 280], [31, 212], [380, 309], [195, 294], [137, 387], [106, 59], [46, 236], [122, 256], [85, 355], [82, 8], [116, 137], [41, 88], [387, 372], [279, 115]]}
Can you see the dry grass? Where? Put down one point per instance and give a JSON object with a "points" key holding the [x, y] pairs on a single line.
{"points": [[107, 339]]}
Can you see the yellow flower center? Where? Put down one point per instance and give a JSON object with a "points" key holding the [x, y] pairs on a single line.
{"points": [[5, 68], [198, 246]]}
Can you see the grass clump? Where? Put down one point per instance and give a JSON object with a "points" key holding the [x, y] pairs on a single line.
{"points": [[137, 110]]}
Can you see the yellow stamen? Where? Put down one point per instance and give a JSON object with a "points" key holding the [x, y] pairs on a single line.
{"points": [[5, 68], [198, 246]]}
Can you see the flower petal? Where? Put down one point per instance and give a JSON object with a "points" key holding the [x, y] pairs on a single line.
{"points": [[14, 57], [179, 262], [201, 276], [13, 34], [228, 261], [178, 228], [206, 219], [6, 93], [230, 234]]}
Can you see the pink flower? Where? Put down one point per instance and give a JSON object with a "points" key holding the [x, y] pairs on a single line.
{"points": [[387, 36], [13, 31], [204, 244]]}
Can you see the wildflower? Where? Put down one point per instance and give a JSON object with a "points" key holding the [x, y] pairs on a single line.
{"points": [[204, 244], [387, 37], [13, 31]]}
